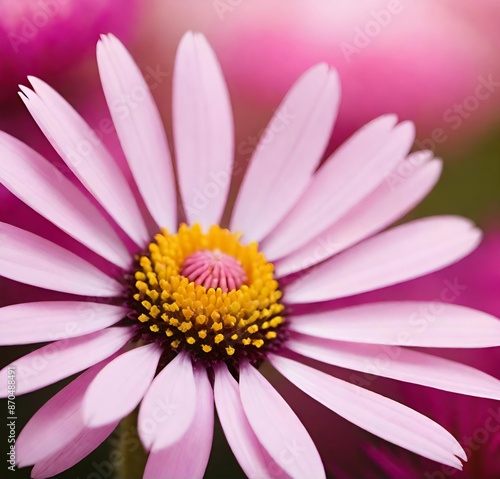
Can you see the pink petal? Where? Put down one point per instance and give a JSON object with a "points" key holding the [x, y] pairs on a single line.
{"points": [[277, 427], [169, 406], [41, 186], [394, 256], [53, 320], [288, 153], [188, 458], [386, 204], [349, 175], [72, 453], [398, 363], [140, 129], [406, 323], [377, 414], [61, 359], [33, 260], [86, 156], [203, 130], [252, 457], [123, 382], [57, 423]]}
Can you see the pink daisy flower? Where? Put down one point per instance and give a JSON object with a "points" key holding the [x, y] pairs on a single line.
{"points": [[192, 309]]}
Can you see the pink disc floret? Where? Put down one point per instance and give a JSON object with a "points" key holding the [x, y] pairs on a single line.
{"points": [[214, 269]]}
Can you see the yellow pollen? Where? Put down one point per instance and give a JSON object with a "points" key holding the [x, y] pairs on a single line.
{"points": [[253, 329], [183, 311], [258, 343], [202, 334]]}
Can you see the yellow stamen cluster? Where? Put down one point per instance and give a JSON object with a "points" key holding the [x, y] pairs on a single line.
{"points": [[211, 324]]}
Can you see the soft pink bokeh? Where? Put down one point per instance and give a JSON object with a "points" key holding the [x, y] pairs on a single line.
{"points": [[418, 61], [45, 37]]}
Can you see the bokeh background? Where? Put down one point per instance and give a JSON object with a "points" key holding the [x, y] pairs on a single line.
{"points": [[433, 62]]}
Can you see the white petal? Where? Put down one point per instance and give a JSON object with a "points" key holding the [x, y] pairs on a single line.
{"points": [[350, 174], [388, 203], [33, 260], [251, 455], [169, 406], [53, 320], [41, 186], [203, 130], [398, 363], [140, 129], [288, 153], [277, 427], [124, 381], [57, 423], [86, 156], [377, 414], [87, 440], [63, 358], [405, 323], [188, 458], [394, 256]]}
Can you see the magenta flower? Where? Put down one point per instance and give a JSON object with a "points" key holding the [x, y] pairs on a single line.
{"points": [[34, 34], [192, 309]]}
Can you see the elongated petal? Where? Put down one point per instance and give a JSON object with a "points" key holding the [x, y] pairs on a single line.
{"points": [[61, 359], [406, 323], [288, 153], [188, 458], [203, 130], [52, 320], [57, 423], [87, 440], [386, 204], [169, 406], [277, 427], [252, 457], [399, 363], [30, 259], [375, 413], [86, 156], [349, 175], [140, 129], [399, 254], [125, 381], [41, 186]]}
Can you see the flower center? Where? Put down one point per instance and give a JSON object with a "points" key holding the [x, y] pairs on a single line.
{"points": [[214, 269], [208, 294]]}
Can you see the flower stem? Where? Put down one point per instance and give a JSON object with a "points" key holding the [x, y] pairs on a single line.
{"points": [[128, 455]]}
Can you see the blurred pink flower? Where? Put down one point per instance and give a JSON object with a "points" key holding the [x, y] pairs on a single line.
{"points": [[433, 62], [43, 37]]}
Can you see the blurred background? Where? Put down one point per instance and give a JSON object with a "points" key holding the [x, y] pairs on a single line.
{"points": [[433, 62]]}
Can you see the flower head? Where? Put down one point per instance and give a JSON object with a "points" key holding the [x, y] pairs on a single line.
{"points": [[192, 308]]}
